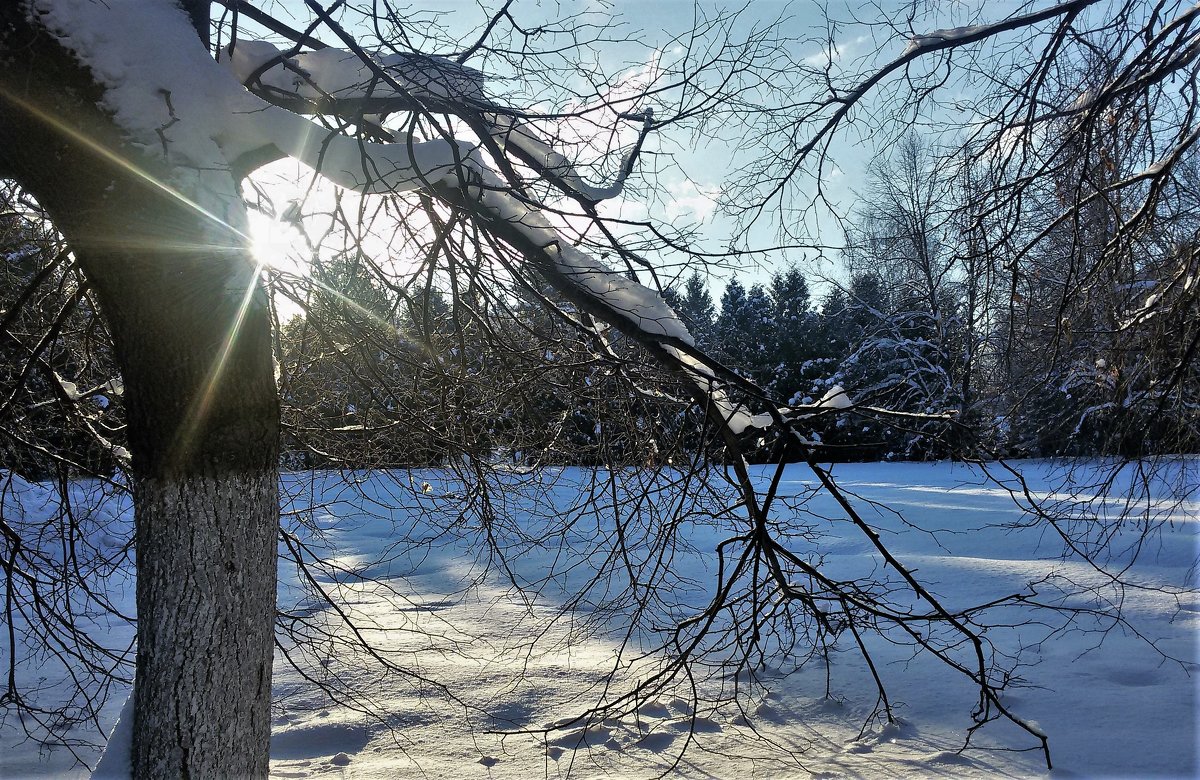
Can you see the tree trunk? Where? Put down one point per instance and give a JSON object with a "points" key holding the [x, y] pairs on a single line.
{"points": [[203, 429], [192, 335], [205, 620]]}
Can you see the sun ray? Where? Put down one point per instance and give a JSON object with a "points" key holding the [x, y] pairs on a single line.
{"points": [[244, 239], [199, 408], [122, 162]]}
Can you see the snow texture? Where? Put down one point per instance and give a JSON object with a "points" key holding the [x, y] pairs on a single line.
{"points": [[938, 37], [315, 75], [171, 99], [117, 761], [1112, 708], [835, 398], [739, 419]]}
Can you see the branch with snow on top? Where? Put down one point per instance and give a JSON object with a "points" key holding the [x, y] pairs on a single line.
{"points": [[350, 83], [215, 113]]}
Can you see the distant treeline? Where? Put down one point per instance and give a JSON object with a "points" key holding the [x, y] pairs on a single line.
{"points": [[944, 347]]}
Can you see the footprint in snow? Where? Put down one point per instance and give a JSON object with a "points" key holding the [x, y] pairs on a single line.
{"points": [[768, 712], [682, 706], [329, 739], [891, 732], [948, 758], [697, 726], [829, 705], [590, 736], [658, 742], [1134, 678], [653, 709]]}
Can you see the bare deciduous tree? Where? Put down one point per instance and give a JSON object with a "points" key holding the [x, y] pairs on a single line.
{"points": [[504, 301]]}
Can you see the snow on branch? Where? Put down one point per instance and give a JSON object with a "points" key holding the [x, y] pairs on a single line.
{"points": [[330, 73], [172, 99], [457, 166], [340, 81], [377, 168], [961, 36]]}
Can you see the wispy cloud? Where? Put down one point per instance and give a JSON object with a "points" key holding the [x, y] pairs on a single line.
{"points": [[836, 50], [688, 197]]}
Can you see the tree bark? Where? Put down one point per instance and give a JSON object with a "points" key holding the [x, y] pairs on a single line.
{"points": [[201, 401], [205, 620]]}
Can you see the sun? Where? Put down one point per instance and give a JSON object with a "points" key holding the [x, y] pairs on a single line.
{"points": [[279, 246], [278, 196]]}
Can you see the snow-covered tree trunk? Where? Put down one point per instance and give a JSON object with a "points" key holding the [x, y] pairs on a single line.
{"points": [[191, 328]]}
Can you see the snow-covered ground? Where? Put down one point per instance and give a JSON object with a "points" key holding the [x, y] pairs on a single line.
{"points": [[476, 673]]}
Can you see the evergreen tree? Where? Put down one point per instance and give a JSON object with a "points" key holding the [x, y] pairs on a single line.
{"points": [[796, 350], [728, 331], [746, 330], [697, 310]]}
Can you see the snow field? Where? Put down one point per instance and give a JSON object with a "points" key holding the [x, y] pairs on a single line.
{"points": [[484, 681]]}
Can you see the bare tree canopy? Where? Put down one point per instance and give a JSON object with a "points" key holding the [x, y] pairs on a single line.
{"points": [[473, 300]]}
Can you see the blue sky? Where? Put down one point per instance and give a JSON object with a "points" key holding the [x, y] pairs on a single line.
{"points": [[691, 171]]}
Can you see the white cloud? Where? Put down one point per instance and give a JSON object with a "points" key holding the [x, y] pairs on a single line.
{"points": [[835, 51], [688, 197]]}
